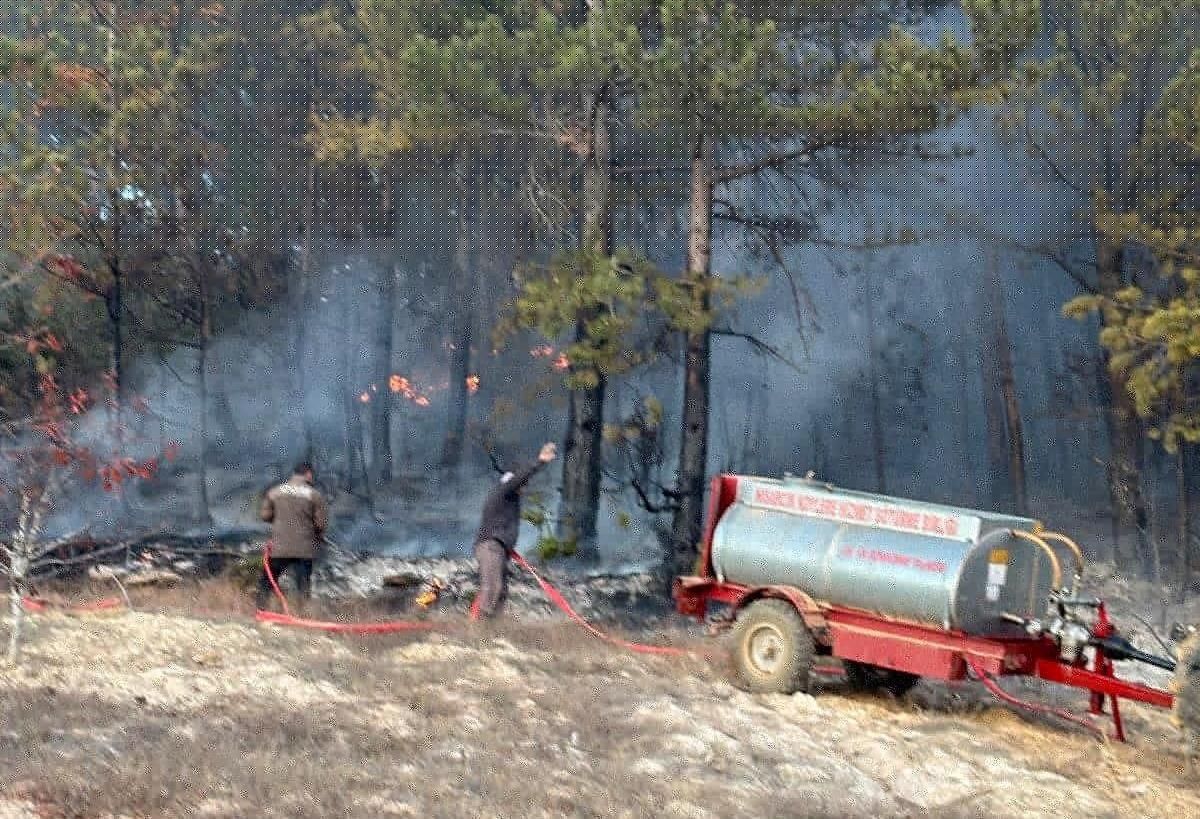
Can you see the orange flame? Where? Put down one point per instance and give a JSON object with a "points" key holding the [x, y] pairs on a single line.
{"points": [[402, 386], [561, 362], [472, 384], [365, 398]]}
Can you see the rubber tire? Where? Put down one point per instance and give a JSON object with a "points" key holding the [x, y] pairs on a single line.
{"points": [[867, 677], [795, 661], [1186, 686]]}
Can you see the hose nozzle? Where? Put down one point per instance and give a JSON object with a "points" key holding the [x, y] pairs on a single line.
{"points": [[1117, 647]]}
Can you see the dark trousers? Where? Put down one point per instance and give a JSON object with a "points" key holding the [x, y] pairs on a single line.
{"points": [[301, 570], [493, 577]]}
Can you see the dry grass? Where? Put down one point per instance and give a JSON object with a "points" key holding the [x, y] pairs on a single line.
{"points": [[471, 748], [123, 716], [89, 758]]}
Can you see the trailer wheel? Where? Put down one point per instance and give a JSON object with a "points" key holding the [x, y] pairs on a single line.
{"points": [[773, 649], [867, 677], [1186, 686]]}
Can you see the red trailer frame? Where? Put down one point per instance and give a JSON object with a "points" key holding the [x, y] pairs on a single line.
{"points": [[867, 637]]}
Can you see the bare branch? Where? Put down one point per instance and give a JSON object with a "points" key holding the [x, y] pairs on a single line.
{"points": [[487, 448], [729, 173], [1050, 254], [760, 345], [1055, 169], [92, 556], [629, 170], [44, 549], [649, 505]]}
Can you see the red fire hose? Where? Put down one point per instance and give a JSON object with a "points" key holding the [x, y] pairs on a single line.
{"points": [[561, 602], [1002, 695], [36, 604], [288, 619], [394, 626]]}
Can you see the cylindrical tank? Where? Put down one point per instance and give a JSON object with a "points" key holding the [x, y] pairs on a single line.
{"points": [[936, 565]]}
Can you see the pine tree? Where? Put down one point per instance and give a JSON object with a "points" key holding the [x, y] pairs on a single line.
{"points": [[716, 75], [459, 74], [1083, 113]]}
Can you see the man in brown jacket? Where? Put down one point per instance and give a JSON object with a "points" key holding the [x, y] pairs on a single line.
{"points": [[497, 535], [298, 517]]}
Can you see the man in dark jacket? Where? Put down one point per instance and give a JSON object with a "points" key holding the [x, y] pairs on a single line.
{"points": [[497, 535], [298, 517]]}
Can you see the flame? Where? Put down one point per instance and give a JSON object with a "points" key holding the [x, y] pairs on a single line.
{"points": [[472, 384], [431, 593], [561, 362], [365, 398], [402, 386]]}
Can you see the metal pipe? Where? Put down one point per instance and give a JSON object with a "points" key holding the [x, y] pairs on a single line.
{"points": [[1055, 564], [1074, 547]]}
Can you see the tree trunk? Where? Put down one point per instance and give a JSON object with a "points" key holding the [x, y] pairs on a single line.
{"points": [[687, 525], [465, 279], [113, 296], [352, 433], [382, 461], [1014, 432], [1125, 435], [580, 504], [300, 310], [878, 438], [381, 399], [1005, 434], [115, 309], [20, 559], [16, 611], [206, 335], [1183, 517]]}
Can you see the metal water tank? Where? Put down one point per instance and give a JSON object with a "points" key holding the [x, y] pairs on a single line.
{"points": [[936, 565]]}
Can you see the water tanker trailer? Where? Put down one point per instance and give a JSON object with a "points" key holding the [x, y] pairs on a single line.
{"points": [[898, 590]]}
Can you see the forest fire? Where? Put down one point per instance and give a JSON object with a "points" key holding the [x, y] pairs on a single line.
{"points": [[403, 386], [399, 385], [561, 361]]}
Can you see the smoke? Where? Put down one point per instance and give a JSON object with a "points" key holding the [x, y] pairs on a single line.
{"points": [[878, 319]]}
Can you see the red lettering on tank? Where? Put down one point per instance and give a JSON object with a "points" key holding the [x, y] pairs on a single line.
{"points": [[850, 511], [933, 523], [893, 559]]}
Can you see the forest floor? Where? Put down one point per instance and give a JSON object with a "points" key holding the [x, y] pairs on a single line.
{"points": [[187, 707]]}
